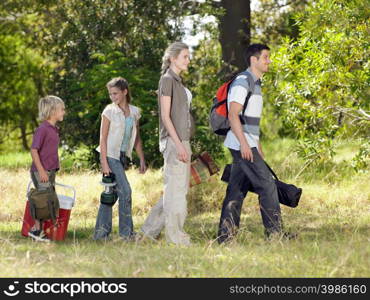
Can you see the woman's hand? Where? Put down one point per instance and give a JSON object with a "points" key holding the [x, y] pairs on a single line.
{"points": [[182, 154]]}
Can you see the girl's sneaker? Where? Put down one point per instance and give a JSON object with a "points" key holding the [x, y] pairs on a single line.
{"points": [[38, 236]]}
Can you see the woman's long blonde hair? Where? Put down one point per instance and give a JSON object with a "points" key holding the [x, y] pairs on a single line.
{"points": [[172, 50]]}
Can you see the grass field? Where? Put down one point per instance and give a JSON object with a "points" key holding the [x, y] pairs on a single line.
{"points": [[332, 220]]}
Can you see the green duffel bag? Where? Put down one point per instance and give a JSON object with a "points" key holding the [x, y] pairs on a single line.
{"points": [[44, 204]]}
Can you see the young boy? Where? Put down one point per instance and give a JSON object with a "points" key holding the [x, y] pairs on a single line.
{"points": [[44, 152]]}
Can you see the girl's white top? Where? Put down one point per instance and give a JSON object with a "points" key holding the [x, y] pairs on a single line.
{"points": [[117, 129]]}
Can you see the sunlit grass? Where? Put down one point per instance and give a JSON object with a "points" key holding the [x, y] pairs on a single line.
{"points": [[332, 221]]}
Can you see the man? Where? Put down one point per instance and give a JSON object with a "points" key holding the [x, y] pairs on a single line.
{"points": [[248, 159]]}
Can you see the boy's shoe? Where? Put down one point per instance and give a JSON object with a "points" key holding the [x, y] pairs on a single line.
{"points": [[38, 235]]}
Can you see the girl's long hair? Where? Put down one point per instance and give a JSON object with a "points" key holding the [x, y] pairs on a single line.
{"points": [[122, 84]]}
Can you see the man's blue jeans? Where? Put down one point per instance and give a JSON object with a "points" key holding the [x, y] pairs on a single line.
{"points": [[103, 225], [263, 184]]}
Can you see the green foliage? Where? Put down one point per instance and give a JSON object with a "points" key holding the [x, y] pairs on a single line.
{"points": [[317, 90], [362, 159], [204, 80], [91, 96], [320, 83], [272, 20], [90, 42], [97, 41], [23, 78]]}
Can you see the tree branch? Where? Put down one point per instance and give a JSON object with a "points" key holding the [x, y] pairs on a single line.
{"points": [[357, 115]]}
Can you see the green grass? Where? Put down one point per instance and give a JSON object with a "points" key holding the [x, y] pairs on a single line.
{"points": [[15, 160], [332, 221], [22, 159]]}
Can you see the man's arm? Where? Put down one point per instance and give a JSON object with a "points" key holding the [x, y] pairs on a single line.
{"points": [[236, 127], [260, 150]]}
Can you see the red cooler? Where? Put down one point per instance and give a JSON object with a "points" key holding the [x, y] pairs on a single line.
{"points": [[58, 231]]}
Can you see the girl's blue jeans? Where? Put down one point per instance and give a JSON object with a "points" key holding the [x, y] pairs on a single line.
{"points": [[103, 225]]}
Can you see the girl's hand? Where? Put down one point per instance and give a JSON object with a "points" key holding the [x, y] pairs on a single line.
{"points": [[143, 168], [43, 176], [105, 169], [182, 154]]}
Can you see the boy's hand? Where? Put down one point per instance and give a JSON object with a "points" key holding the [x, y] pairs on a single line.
{"points": [[43, 176]]}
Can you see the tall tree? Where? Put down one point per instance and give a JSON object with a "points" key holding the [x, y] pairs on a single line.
{"points": [[234, 27], [235, 31]]}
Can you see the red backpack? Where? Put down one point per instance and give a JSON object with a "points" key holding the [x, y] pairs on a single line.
{"points": [[218, 116]]}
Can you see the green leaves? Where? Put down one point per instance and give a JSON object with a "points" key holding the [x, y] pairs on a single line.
{"points": [[316, 78]]}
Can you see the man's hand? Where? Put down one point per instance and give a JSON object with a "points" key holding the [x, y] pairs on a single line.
{"points": [[246, 152], [236, 127]]}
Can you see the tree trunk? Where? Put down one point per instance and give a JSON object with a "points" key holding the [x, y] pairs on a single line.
{"points": [[234, 28], [22, 127]]}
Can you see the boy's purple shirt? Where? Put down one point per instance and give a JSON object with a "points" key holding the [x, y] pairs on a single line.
{"points": [[46, 141]]}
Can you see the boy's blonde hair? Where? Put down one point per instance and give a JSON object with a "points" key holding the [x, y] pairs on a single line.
{"points": [[48, 105]]}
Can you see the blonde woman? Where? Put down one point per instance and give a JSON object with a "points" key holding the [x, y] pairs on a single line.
{"points": [[176, 127]]}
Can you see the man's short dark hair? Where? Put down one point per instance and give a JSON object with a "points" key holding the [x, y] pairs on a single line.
{"points": [[254, 50]]}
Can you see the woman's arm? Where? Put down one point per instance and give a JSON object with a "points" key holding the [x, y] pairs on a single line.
{"points": [[103, 145], [167, 122]]}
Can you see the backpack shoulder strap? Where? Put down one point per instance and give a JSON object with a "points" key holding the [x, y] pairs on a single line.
{"points": [[250, 81], [251, 85], [227, 92]]}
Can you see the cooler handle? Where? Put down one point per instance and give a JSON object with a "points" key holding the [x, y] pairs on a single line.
{"points": [[60, 184]]}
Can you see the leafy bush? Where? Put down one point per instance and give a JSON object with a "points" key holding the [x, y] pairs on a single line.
{"points": [[320, 83]]}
